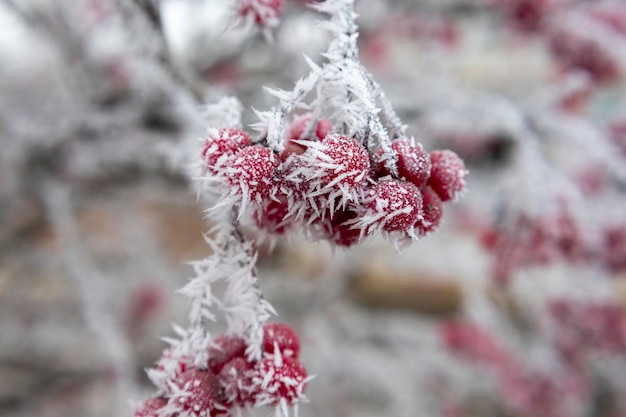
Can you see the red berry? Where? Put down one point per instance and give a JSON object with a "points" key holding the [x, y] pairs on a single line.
{"points": [[472, 342], [296, 181], [583, 50], [170, 366], [299, 125], [394, 204], [271, 216], [447, 177], [151, 407], [432, 212], [529, 15], [204, 395], [224, 349], [237, 380], [343, 162], [413, 162], [252, 173], [377, 164], [297, 130], [279, 381], [341, 230], [219, 149], [283, 336]]}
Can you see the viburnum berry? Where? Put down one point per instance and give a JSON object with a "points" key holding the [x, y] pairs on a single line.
{"points": [[343, 162], [395, 205], [237, 380], [296, 181], [583, 51], [413, 162], [271, 216], [252, 173], [584, 327], [202, 394], [527, 15], [300, 124], [151, 407], [447, 176], [218, 150], [170, 366], [224, 349], [472, 342], [297, 131], [432, 212], [282, 336], [280, 380], [341, 228], [532, 393], [264, 12]]}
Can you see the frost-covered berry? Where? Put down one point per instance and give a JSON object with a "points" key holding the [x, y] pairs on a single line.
{"points": [[393, 204], [342, 162], [413, 161], [237, 380], [200, 394], [252, 173], [296, 179], [264, 12], [280, 380], [271, 216], [447, 176], [432, 212], [171, 366], [341, 228], [301, 123], [224, 349], [218, 149], [297, 131], [151, 407], [282, 336]]}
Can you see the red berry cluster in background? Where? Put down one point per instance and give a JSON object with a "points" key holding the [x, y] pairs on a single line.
{"points": [[530, 241], [422, 30], [330, 185], [584, 328], [230, 380], [523, 389], [583, 36]]}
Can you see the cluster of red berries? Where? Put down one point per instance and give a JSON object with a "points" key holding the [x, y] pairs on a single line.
{"points": [[580, 50], [533, 241], [585, 328], [561, 23], [473, 343], [230, 380], [332, 186], [523, 391]]}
